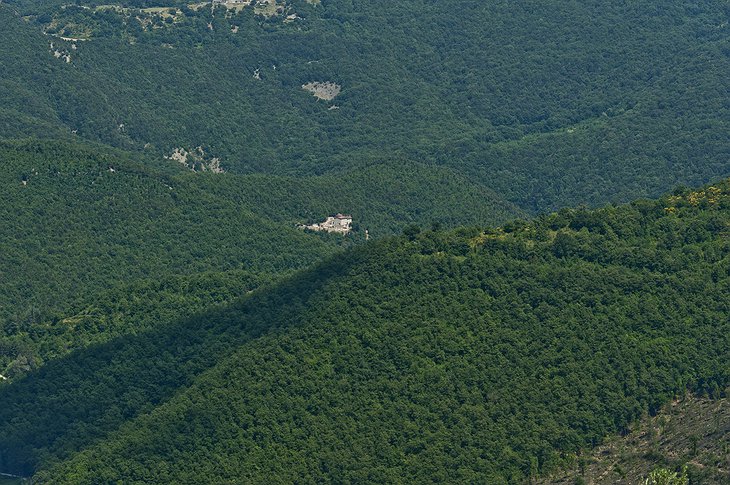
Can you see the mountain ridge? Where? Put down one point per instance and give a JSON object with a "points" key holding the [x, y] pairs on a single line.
{"points": [[506, 298], [523, 292], [204, 93]]}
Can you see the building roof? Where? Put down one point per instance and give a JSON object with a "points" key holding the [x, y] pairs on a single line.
{"points": [[342, 216]]}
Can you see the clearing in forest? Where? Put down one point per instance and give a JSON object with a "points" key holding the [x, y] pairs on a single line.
{"points": [[323, 90]]}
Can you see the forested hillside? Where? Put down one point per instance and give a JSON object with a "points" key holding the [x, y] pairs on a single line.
{"points": [[81, 221], [166, 318], [476, 355], [547, 103]]}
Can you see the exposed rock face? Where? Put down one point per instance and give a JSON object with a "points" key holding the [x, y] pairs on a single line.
{"points": [[323, 90], [60, 53], [196, 160]]}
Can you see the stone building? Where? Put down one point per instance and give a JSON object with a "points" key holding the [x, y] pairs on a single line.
{"points": [[339, 223]]}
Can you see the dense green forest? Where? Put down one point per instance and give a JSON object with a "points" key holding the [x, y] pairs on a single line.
{"points": [[487, 355], [81, 221], [547, 103], [164, 318]]}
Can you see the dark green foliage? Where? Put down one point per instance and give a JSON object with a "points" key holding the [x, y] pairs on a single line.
{"points": [[382, 198], [547, 103], [464, 356], [127, 309], [467, 356], [79, 221], [76, 220]]}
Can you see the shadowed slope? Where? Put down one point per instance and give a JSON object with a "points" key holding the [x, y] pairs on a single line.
{"points": [[463, 356], [74, 401]]}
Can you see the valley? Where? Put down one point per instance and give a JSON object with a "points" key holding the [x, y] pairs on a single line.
{"points": [[508, 131], [329, 241]]}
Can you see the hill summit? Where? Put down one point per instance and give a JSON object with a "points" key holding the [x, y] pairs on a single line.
{"points": [[473, 355]]}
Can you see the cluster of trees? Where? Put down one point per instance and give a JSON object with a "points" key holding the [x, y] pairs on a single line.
{"points": [[79, 221], [549, 104], [474, 355], [471, 355]]}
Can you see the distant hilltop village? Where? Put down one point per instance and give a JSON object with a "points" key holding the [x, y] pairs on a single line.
{"points": [[339, 223], [243, 2]]}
